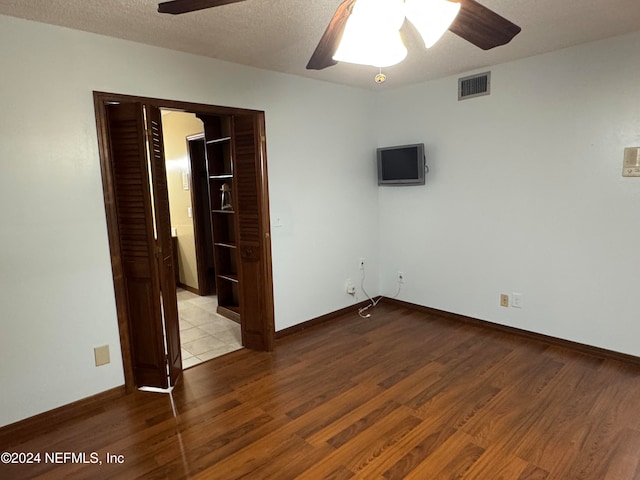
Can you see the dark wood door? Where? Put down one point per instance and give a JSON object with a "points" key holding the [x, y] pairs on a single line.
{"points": [[165, 251], [145, 241], [254, 247]]}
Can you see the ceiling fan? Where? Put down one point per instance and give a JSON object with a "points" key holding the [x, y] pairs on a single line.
{"points": [[474, 22]]}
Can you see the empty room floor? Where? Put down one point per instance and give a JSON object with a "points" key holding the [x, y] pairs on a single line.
{"points": [[401, 395], [203, 333]]}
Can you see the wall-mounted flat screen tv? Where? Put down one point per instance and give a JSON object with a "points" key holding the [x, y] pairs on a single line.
{"points": [[401, 165]]}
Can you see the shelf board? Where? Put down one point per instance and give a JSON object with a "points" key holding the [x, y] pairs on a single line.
{"points": [[222, 211], [229, 277], [233, 308], [232, 312], [222, 176], [225, 245], [218, 140]]}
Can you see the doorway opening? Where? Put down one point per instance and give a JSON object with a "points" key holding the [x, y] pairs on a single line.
{"points": [[204, 333], [145, 268]]}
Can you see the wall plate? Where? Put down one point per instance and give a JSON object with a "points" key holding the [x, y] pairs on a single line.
{"points": [[102, 356], [631, 164]]}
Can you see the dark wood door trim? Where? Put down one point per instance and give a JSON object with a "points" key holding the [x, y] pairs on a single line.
{"points": [[101, 99]]}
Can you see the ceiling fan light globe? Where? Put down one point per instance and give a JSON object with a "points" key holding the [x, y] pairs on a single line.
{"points": [[378, 49], [431, 17], [372, 34], [379, 14], [390, 50]]}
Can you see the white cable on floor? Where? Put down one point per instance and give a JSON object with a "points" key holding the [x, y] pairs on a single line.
{"points": [[373, 302]]}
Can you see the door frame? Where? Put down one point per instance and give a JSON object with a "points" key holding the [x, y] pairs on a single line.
{"points": [[101, 99]]}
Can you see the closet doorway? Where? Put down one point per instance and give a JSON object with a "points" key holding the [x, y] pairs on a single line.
{"points": [[136, 205], [204, 333]]}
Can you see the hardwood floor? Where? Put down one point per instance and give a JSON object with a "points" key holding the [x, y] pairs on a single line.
{"points": [[401, 395]]}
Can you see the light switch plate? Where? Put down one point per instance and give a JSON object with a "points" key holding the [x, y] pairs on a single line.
{"points": [[516, 300], [102, 355]]}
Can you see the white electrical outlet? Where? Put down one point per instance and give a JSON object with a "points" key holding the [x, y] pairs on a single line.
{"points": [[361, 264], [350, 287], [516, 300], [400, 277]]}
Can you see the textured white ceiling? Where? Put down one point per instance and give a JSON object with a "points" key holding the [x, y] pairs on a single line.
{"points": [[281, 35]]}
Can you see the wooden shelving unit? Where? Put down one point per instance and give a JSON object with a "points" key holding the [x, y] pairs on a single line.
{"points": [[219, 160]]}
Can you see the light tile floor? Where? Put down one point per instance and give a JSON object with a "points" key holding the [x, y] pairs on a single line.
{"points": [[203, 333]]}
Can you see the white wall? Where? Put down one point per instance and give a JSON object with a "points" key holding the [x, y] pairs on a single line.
{"points": [[56, 288], [525, 195]]}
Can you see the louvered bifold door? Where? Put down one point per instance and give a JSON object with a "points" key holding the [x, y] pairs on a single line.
{"points": [[252, 234], [127, 142], [165, 252]]}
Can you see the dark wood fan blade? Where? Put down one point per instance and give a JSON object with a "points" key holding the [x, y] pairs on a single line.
{"points": [[176, 7], [322, 56], [483, 27]]}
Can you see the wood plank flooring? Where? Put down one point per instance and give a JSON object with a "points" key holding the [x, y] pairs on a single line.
{"points": [[400, 395]]}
